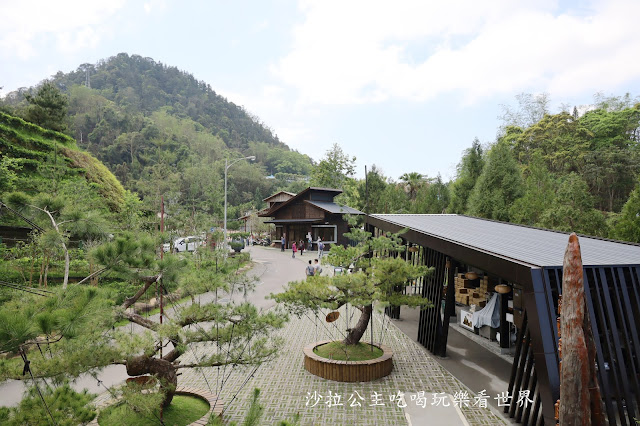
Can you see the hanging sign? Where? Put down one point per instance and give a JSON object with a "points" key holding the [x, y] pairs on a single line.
{"points": [[332, 316]]}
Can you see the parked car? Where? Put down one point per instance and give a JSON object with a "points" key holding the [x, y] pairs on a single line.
{"points": [[182, 244]]}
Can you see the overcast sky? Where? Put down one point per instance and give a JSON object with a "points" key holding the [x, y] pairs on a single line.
{"points": [[405, 85]]}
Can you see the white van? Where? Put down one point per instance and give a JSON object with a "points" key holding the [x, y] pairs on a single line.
{"points": [[182, 244]]}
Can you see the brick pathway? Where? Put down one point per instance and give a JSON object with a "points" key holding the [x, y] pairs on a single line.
{"points": [[285, 385]]}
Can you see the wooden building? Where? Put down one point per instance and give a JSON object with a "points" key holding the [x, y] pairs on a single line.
{"points": [[310, 211], [12, 235], [274, 201]]}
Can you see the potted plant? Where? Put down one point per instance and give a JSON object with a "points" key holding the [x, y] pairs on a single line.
{"points": [[237, 246], [377, 275]]}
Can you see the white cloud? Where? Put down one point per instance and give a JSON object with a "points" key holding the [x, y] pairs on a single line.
{"points": [[370, 51], [68, 25]]}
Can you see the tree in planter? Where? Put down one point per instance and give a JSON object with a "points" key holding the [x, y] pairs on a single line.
{"points": [[240, 334], [379, 273]]}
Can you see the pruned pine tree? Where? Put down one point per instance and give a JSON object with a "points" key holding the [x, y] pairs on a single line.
{"points": [[87, 337], [378, 274], [58, 218]]}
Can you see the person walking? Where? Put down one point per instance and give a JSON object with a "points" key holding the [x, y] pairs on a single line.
{"points": [[320, 248], [310, 241], [283, 241], [301, 247], [310, 270], [294, 248]]}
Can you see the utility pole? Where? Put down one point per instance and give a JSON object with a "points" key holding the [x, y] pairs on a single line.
{"points": [[226, 168]]}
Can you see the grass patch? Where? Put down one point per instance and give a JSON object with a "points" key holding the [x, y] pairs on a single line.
{"points": [[182, 411], [341, 352]]}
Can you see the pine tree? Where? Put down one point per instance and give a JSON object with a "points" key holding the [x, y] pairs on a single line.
{"points": [[48, 108], [376, 280], [499, 185]]}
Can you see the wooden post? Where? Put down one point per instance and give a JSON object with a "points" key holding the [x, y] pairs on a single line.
{"points": [[580, 398]]}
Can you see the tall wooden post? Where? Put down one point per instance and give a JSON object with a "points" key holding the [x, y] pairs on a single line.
{"points": [[580, 398]]}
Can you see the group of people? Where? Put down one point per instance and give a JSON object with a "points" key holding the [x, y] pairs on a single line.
{"points": [[313, 268], [300, 246]]}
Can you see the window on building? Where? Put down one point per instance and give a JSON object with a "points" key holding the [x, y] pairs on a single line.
{"points": [[328, 233]]}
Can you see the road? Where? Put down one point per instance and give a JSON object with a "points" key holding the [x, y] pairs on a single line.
{"points": [[272, 268]]}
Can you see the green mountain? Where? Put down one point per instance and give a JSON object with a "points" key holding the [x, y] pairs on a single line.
{"points": [[164, 133]]}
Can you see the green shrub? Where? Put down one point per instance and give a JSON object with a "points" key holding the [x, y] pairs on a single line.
{"points": [[237, 246], [67, 407]]}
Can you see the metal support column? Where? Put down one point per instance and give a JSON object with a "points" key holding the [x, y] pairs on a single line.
{"points": [[449, 307]]}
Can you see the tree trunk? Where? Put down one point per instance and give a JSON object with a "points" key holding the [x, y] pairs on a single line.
{"points": [[356, 333], [580, 399], [33, 259], [164, 371], [46, 270], [66, 266], [64, 248], [44, 258]]}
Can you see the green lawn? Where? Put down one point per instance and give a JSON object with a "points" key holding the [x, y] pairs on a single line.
{"points": [[182, 411], [340, 351]]}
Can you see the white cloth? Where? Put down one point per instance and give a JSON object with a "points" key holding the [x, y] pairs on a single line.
{"points": [[489, 315]]}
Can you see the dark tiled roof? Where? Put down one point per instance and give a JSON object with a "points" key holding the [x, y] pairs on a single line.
{"points": [[300, 195], [538, 247], [333, 207]]}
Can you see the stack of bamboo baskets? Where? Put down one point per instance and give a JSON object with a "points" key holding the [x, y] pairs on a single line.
{"points": [[472, 292]]}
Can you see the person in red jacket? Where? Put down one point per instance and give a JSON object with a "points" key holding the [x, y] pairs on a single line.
{"points": [[294, 248]]}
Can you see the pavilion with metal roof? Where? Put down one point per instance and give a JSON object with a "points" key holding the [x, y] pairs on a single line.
{"points": [[531, 259]]}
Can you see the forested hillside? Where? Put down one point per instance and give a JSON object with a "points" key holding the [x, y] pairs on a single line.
{"points": [[570, 171], [566, 171], [162, 132]]}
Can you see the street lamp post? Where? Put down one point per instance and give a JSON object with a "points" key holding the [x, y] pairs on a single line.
{"points": [[226, 168]]}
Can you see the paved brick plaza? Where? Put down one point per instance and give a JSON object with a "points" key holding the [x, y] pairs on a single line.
{"points": [[285, 384]]}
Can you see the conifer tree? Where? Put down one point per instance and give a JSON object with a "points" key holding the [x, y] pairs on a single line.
{"points": [[499, 185], [378, 273], [48, 108]]}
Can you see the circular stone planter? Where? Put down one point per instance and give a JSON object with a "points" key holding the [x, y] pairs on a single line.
{"points": [[215, 404], [348, 371]]}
